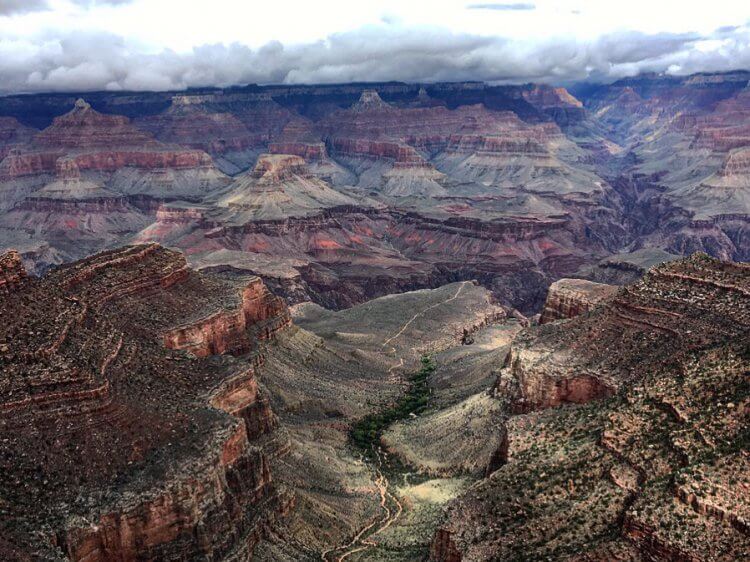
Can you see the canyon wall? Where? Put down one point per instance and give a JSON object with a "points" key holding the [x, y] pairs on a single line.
{"points": [[150, 452]]}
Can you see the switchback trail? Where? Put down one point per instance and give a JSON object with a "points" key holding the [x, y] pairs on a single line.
{"points": [[418, 314], [391, 511]]}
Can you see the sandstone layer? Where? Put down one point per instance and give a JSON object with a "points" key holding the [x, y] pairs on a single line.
{"points": [[141, 451], [648, 465], [567, 298]]}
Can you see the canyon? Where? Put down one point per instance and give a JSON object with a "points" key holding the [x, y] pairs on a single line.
{"points": [[192, 414], [377, 322], [356, 191]]}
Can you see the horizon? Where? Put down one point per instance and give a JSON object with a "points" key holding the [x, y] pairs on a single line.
{"points": [[161, 45], [567, 84]]}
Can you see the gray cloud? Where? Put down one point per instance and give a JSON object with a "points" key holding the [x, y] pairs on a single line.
{"points": [[89, 3], [95, 61], [520, 6], [10, 7]]}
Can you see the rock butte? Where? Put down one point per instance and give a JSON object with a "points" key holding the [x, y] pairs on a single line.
{"points": [[567, 298]]}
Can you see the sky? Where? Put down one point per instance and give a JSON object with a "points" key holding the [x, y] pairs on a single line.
{"points": [[83, 45]]}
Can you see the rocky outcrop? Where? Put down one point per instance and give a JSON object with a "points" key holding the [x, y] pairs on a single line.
{"points": [[544, 97], [555, 364], [443, 549], [271, 169], [233, 482], [567, 298], [369, 100], [145, 452], [12, 271], [537, 382], [279, 187], [260, 313], [637, 469]]}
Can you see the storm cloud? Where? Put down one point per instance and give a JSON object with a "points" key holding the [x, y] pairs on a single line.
{"points": [[11, 7], [84, 61]]}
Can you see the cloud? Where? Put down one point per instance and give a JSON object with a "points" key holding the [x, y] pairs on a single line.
{"points": [[14, 7], [84, 61], [518, 6], [11, 7], [90, 3]]}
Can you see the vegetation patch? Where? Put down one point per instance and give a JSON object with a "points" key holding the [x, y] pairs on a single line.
{"points": [[366, 433]]}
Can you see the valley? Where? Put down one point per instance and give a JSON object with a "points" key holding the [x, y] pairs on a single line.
{"points": [[454, 322], [340, 194]]}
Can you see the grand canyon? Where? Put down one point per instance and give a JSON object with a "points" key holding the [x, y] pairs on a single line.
{"points": [[387, 321]]}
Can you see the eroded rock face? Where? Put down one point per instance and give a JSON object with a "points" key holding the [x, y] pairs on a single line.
{"points": [[146, 452], [107, 145], [259, 316], [13, 133], [12, 271], [639, 473], [567, 298], [575, 361]]}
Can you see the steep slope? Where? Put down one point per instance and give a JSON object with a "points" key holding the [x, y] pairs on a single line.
{"points": [[651, 463], [117, 445]]}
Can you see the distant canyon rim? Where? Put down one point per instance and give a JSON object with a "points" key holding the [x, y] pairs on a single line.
{"points": [[337, 194]]}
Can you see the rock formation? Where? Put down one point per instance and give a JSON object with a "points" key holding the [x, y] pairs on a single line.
{"points": [[567, 298], [12, 271], [109, 147], [649, 465], [134, 463], [279, 187], [196, 122], [647, 163], [13, 133]]}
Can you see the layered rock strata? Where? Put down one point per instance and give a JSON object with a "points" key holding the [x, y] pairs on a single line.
{"points": [[649, 464], [141, 451], [567, 298]]}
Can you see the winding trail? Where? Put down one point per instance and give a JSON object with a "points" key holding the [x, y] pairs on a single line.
{"points": [[364, 539], [418, 314], [389, 504]]}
